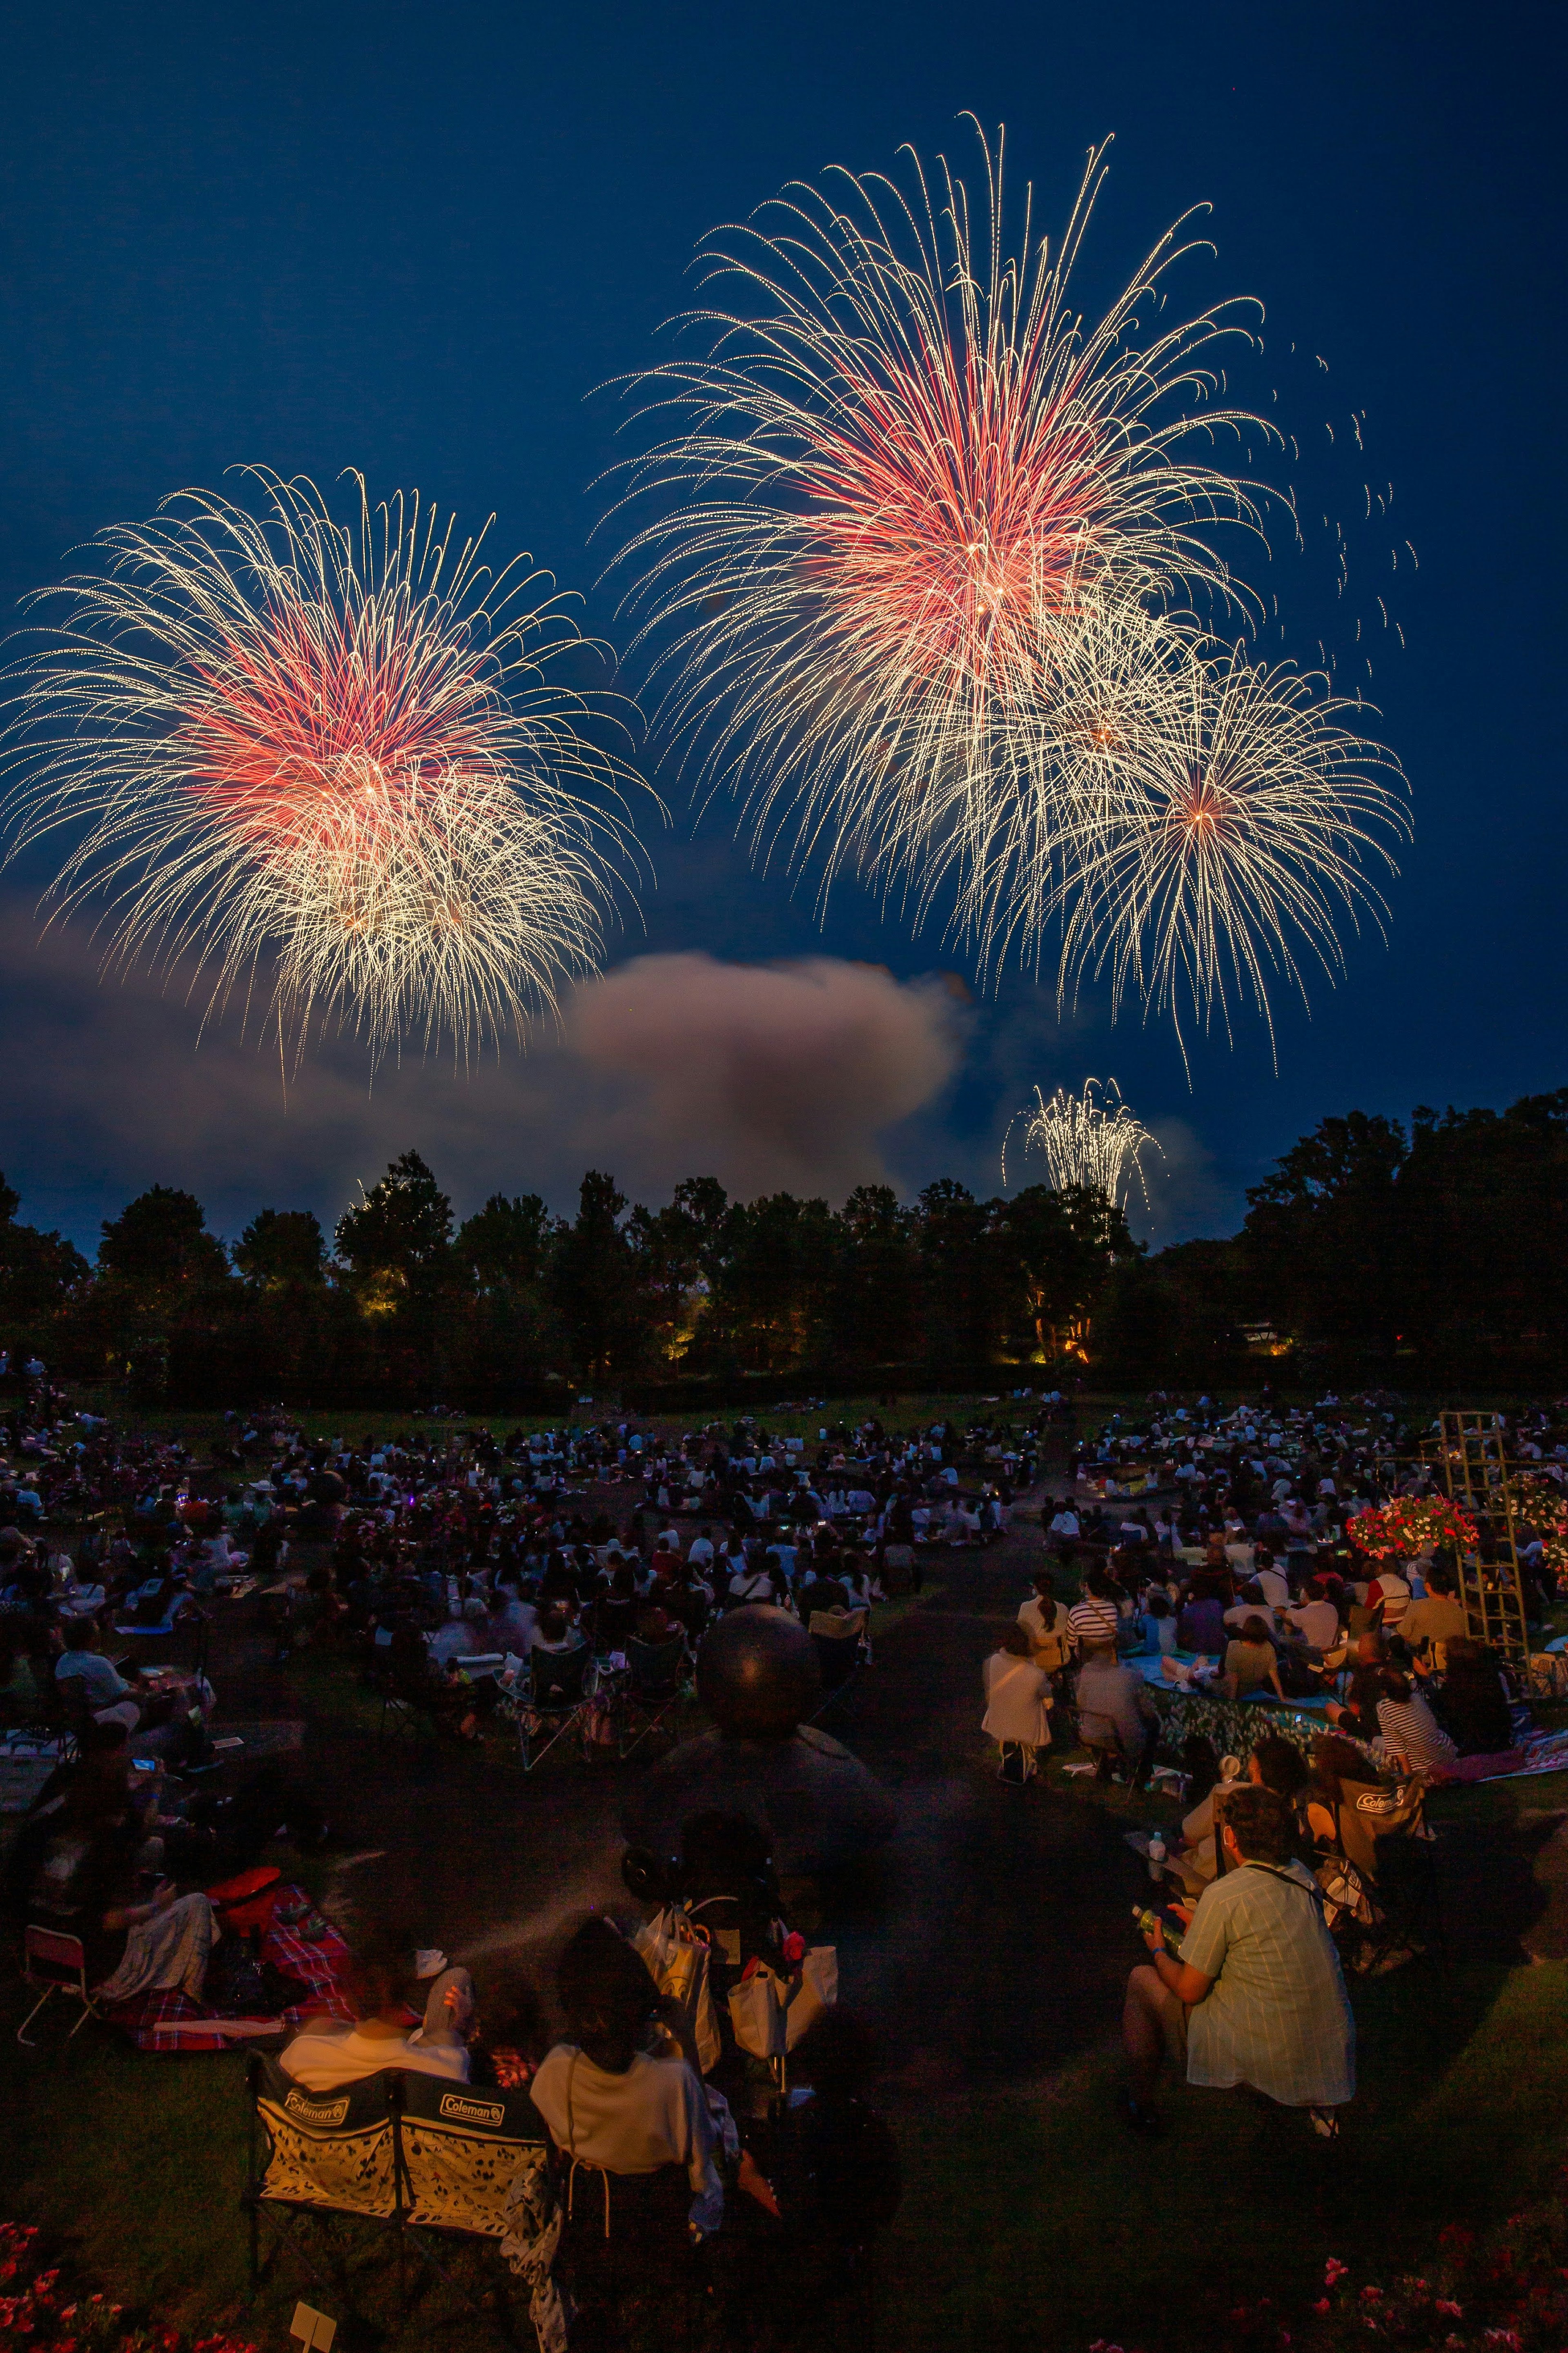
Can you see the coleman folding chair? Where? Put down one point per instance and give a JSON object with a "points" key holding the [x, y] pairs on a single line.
{"points": [[57, 1962], [393, 2160]]}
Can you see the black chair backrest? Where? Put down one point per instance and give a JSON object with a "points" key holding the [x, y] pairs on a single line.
{"points": [[558, 1677], [837, 1658], [613, 1622], [655, 1665]]}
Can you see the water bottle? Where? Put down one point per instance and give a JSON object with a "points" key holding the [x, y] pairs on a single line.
{"points": [[1156, 1856]]}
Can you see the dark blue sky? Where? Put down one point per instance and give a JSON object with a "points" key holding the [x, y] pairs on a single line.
{"points": [[413, 239]]}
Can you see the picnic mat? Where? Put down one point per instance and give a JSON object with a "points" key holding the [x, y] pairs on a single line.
{"points": [[170, 2020]]}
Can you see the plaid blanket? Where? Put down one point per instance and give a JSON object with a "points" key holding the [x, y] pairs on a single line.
{"points": [[170, 2020]]}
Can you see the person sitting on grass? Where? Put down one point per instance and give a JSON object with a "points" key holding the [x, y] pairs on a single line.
{"points": [[1275, 1764], [1251, 1663], [1409, 1736], [1257, 1997]]}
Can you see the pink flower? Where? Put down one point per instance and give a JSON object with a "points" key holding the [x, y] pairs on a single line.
{"points": [[1371, 2294], [1333, 2269], [1450, 2311], [1321, 2305]]}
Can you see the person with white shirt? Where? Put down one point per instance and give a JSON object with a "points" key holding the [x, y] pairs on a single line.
{"points": [[325, 2052], [1276, 1586], [1064, 1529], [637, 2139], [1317, 1621]]}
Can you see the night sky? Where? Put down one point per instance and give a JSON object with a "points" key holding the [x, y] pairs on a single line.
{"points": [[414, 239]]}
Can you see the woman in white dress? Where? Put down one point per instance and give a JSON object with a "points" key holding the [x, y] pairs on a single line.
{"points": [[1017, 1705]]}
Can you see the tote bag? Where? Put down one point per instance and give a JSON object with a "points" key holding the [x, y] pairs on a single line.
{"points": [[679, 1959], [770, 2013]]}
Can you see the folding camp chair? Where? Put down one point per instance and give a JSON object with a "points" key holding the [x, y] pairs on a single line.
{"points": [[318, 2164], [393, 2157], [654, 1684], [1383, 1832], [554, 1704], [837, 1643], [57, 1962]]}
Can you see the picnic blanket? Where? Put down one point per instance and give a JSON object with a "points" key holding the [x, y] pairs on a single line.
{"points": [[170, 2020]]}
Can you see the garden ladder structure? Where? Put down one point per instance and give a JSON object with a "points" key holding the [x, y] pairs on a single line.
{"points": [[1477, 1473]]}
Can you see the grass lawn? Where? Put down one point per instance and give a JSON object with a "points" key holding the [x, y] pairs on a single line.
{"points": [[1028, 2219]]}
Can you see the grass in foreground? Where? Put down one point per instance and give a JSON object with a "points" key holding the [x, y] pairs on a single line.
{"points": [[1029, 2219]]}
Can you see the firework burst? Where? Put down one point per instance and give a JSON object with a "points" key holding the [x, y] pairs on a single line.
{"points": [[1092, 1140], [928, 559], [907, 479], [1238, 827], [322, 757]]}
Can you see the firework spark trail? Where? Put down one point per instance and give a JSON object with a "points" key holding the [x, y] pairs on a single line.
{"points": [[327, 753], [1241, 826], [902, 472], [1093, 1140], [925, 565]]}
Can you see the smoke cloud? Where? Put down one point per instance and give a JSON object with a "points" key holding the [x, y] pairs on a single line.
{"points": [[770, 1077]]}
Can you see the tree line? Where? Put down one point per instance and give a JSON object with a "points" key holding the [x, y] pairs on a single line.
{"points": [[405, 1305], [1434, 1251]]}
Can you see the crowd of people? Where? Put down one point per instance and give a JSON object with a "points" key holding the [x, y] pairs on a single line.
{"points": [[453, 1562]]}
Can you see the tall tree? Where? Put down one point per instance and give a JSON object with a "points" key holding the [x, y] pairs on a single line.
{"points": [[157, 1257], [40, 1274], [1327, 1238], [396, 1239], [283, 1251], [596, 1286]]}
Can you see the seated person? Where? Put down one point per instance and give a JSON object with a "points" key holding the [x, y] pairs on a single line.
{"points": [[1275, 1764], [1017, 1702], [82, 1666], [1316, 1621], [1251, 1663], [1256, 1996], [325, 2052], [1249, 1603], [93, 1873], [555, 1632], [631, 2119], [1435, 1620], [1156, 1623], [1469, 1702], [1274, 1586], [1201, 1625], [1409, 1735], [1358, 1716], [1115, 1710]]}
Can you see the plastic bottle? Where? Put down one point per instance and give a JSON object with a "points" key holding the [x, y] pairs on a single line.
{"points": [[1156, 1856]]}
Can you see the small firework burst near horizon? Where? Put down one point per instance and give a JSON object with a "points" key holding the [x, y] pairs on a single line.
{"points": [[1093, 1140], [322, 763], [928, 559]]}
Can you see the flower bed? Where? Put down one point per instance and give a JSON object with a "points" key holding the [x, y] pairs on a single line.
{"points": [[39, 2309], [1504, 2290], [1414, 1523]]}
